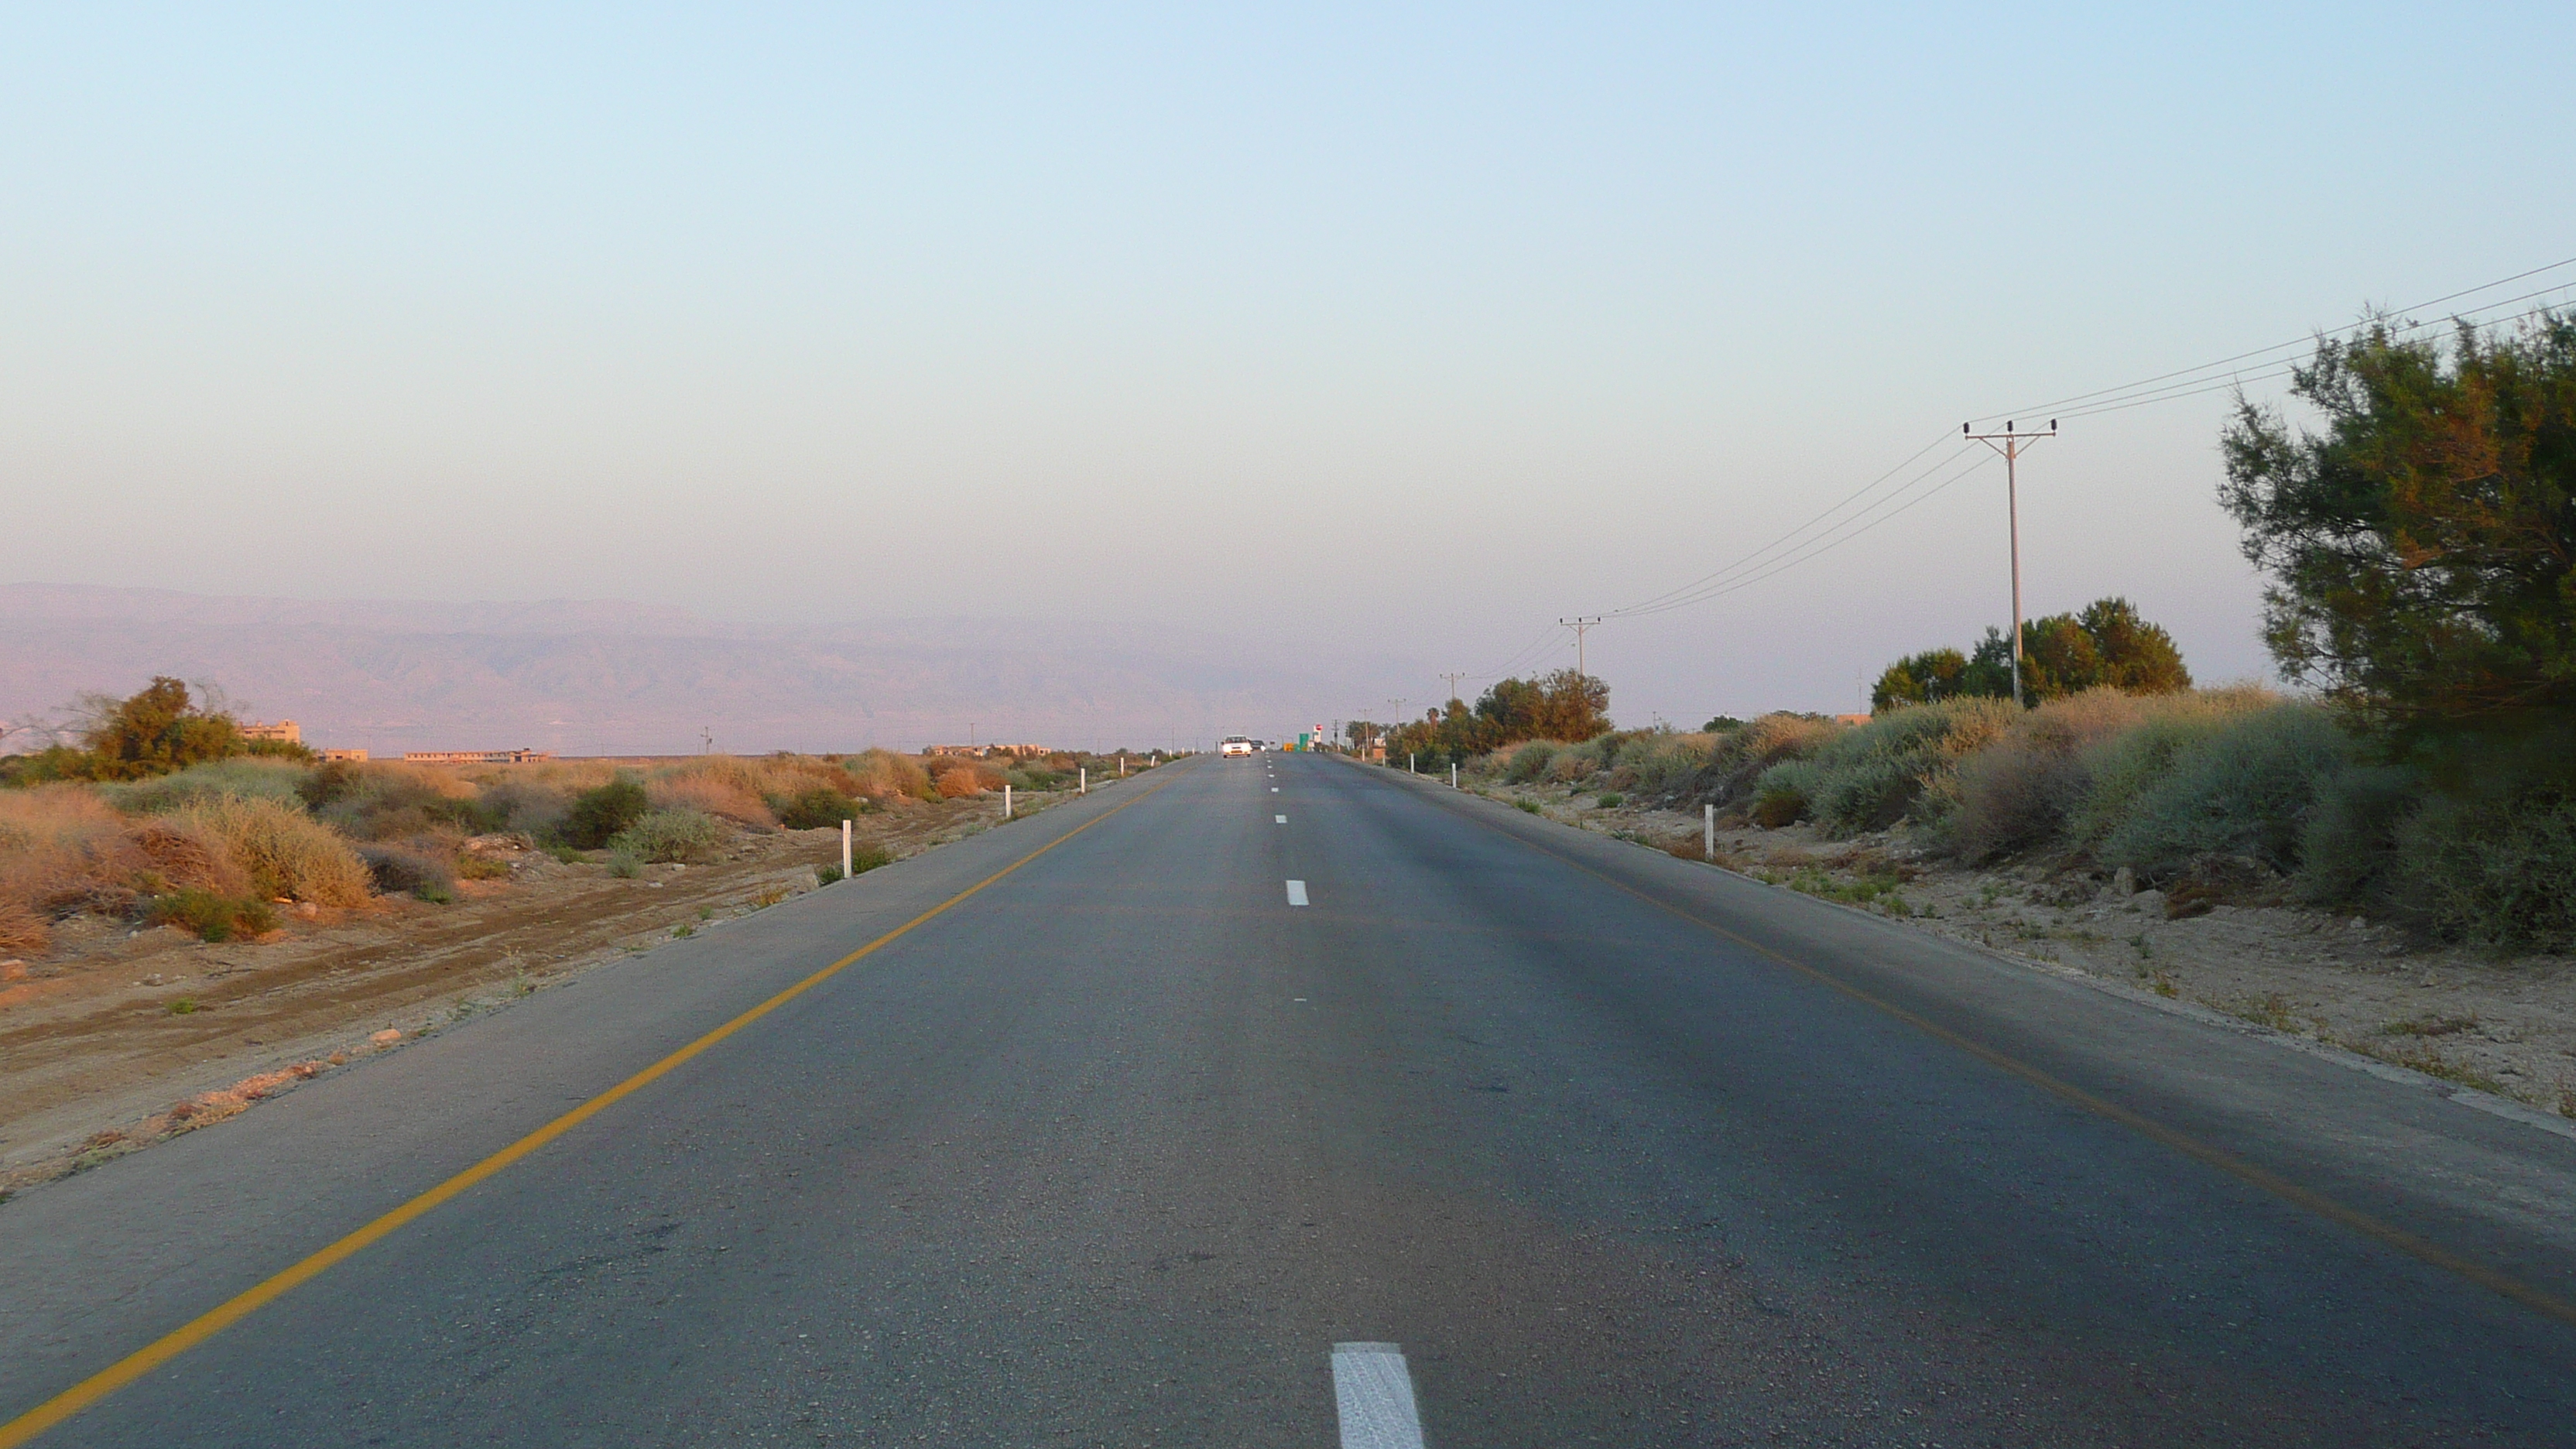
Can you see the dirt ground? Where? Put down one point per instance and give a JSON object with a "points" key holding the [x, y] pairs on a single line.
{"points": [[118, 1037], [2505, 1026]]}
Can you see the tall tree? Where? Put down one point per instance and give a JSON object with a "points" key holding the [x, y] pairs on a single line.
{"points": [[2422, 546]]}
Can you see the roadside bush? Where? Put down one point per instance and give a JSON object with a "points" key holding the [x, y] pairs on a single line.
{"points": [[1785, 794], [239, 778], [818, 808], [394, 801], [883, 774], [1738, 758], [2348, 848], [2020, 790], [2121, 766], [1573, 767], [1659, 764], [212, 917], [708, 794], [283, 851], [531, 808], [1900, 763], [2501, 872], [1525, 763], [957, 784], [599, 815], [865, 858], [687, 836], [2244, 789], [397, 870]]}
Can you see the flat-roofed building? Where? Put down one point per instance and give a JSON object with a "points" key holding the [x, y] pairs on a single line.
{"points": [[476, 757]]}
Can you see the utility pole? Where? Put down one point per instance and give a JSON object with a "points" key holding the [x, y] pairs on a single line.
{"points": [[1453, 684], [1578, 624], [2012, 445]]}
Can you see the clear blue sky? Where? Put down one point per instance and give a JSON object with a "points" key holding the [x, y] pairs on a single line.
{"points": [[1407, 332]]}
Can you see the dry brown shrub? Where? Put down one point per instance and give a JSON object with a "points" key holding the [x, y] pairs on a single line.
{"points": [[883, 774], [720, 795], [182, 855], [21, 929], [282, 852], [958, 784]]}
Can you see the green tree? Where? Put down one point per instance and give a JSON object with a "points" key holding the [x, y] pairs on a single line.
{"points": [[155, 731], [2422, 546], [1933, 675], [2106, 644]]}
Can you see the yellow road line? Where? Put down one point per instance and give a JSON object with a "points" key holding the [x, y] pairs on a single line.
{"points": [[106, 1381], [2539, 1300]]}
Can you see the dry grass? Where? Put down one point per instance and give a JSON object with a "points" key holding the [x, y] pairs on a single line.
{"points": [[710, 794], [284, 852]]}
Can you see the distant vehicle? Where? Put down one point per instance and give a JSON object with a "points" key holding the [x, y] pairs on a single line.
{"points": [[1233, 745]]}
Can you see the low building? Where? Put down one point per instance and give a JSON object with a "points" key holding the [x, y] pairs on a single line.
{"points": [[354, 757], [476, 757], [284, 730]]}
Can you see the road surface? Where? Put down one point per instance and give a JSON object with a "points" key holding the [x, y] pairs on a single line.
{"points": [[1284, 1101]]}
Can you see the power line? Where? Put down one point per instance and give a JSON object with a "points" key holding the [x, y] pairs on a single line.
{"points": [[2163, 387]]}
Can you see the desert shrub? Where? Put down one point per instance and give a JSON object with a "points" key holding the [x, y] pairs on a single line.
{"points": [[283, 851], [1524, 765], [826, 874], [865, 858], [819, 807], [213, 917], [61, 848], [474, 866], [2500, 871], [2019, 791], [1611, 800], [396, 869], [1900, 763], [2348, 847], [883, 774], [1571, 767], [2245, 788], [710, 794], [240, 778], [598, 815], [1659, 764], [670, 835], [1738, 758], [625, 867], [21, 929], [529, 807], [1784, 794], [2122, 765], [392, 801], [957, 784]]}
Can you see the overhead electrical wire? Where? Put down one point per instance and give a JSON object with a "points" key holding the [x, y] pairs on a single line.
{"points": [[1850, 517]]}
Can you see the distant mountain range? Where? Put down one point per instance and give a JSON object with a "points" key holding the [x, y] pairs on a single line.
{"points": [[585, 677]]}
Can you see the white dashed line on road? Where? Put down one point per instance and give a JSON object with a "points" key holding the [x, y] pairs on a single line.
{"points": [[1282, 819], [1374, 1392], [1296, 893]]}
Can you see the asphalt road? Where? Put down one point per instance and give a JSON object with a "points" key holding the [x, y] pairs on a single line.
{"points": [[1116, 1151]]}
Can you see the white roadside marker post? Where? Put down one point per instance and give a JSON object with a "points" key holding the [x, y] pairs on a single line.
{"points": [[1082, 780], [1408, 763], [845, 850], [1006, 800], [1708, 831], [1453, 774]]}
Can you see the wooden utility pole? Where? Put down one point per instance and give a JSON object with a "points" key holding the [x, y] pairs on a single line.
{"points": [[2012, 445]]}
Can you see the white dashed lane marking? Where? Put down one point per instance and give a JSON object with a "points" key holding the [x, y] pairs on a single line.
{"points": [[1374, 1392], [1296, 893], [1282, 819]]}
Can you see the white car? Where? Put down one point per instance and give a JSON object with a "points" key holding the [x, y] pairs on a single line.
{"points": [[1233, 745]]}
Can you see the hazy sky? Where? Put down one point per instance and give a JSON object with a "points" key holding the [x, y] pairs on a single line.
{"points": [[1395, 333]]}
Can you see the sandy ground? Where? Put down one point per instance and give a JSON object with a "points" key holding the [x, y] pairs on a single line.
{"points": [[2506, 1026], [118, 1038]]}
